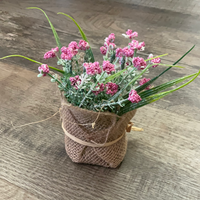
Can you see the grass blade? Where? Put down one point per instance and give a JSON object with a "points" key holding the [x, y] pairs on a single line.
{"points": [[131, 82], [164, 86], [56, 69], [52, 27], [81, 32], [156, 57], [152, 98], [142, 87], [114, 76]]}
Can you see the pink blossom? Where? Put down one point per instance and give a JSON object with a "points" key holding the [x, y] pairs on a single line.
{"points": [[75, 81], [92, 68], [139, 63], [110, 38], [155, 60], [55, 49], [103, 50], [66, 56], [43, 69], [143, 81], [49, 54], [64, 50], [119, 52], [112, 88], [73, 45], [83, 45], [134, 44], [108, 67], [73, 48], [130, 34], [112, 45], [141, 46], [100, 88], [134, 97], [128, 52]]}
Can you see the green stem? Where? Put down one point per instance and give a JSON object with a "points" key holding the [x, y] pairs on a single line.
{"points": [[58, 70], [90, 90], [111, 104]]}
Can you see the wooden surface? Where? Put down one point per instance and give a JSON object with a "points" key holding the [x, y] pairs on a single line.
{"points": [[163, 162]]}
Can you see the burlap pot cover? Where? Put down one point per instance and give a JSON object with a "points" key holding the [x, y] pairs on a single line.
{"points": [[97, 138]]}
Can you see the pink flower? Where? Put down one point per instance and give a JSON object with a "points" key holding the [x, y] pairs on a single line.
{"points": [[134, 97], [92, 68], [141, 46], [75, 81], [55, 49], [73, 48], [83, 45], [130, 34], [110, 38], [73, 45], [103, 50], [112, 88], [64, 50], [109, 41], [43, 69], [143, 81], [139, 63], [66, 56], [155, 60], [100, 88], [134, 44], [49, 54], [128, 52], [119, 52], [108, 67], [112, 45]]}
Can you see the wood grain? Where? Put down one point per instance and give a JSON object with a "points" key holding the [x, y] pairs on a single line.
{"points": [[163, 162], [11, 192]]}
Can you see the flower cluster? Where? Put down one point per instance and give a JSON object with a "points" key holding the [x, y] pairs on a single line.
{"points": [[111, 85], [100, 82], [92, 68], [139, 63], [134, 97], [108, 67], [112, 88], [43, 69], [75, 81], [51, 54], [154, 61], [130, 34]]}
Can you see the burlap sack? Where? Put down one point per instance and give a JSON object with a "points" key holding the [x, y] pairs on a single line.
{"points": [[94, 138]]}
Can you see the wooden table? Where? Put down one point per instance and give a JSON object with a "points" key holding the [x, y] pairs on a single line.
{"points": [[162, 162]]}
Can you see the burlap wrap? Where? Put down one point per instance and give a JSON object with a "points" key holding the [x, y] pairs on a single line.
{"points": [[108, 127]]}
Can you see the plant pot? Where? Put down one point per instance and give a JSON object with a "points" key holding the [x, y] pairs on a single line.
{"points": [[97, 138]]}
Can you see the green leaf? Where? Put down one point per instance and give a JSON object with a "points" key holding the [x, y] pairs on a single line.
{"points": [[82, 34], [131, 82], [164, 86], [152, 98], [58, 70], [156, 57], [109, 78], [142, 87], [52, 27]]}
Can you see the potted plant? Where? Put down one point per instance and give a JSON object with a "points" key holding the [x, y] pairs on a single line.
{"points": [[98, 99]]}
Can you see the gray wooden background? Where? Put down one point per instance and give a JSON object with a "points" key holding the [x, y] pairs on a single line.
{"points": [[162, 163]]}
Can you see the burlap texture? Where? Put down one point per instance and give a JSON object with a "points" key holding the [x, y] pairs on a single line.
{"points": [[108, 127]]}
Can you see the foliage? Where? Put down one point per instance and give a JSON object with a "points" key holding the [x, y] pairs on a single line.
{"points": [[118, 84]]}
